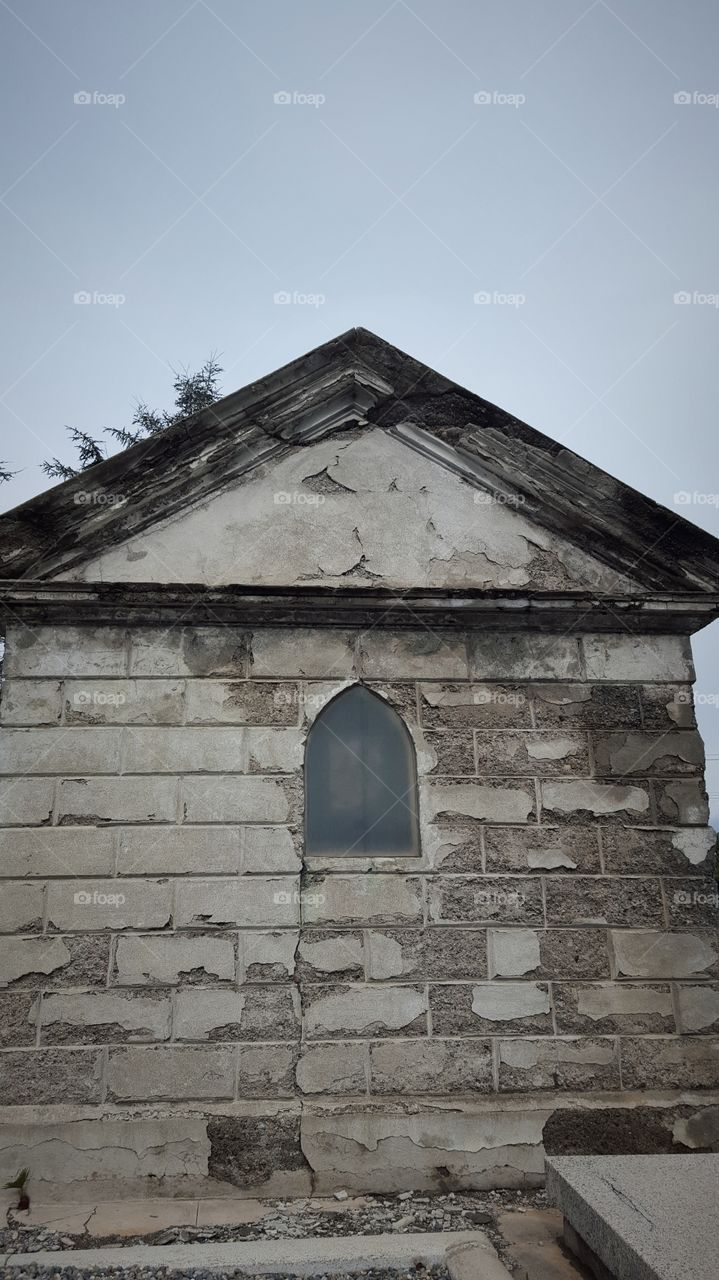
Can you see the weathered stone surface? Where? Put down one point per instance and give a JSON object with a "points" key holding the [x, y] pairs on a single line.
{"points": [[649, 954], [76, 1150], [93, 801], [21, 907], [485, 801], [236, 799], [580, 801], [247, 1150], [169, 959], [524, 656], [268, 957], [450, 753], [431, 1066], [440, 952], [267, 1071], [692, 902], [698, 1007], [606, 1007], [603, 900], [334, 1068], [189, 651], [542, 849], [453, 848], [344, 1011], [40, 962], [521, 1008], [698, 1131], [211, 749], [670, 1062], [242, 702], [65, 651], [50, 1075], [645, 657], [153, 1072], [420, 655], [108, 904], [636, 851], [322, 953], [57, 851], [574, 953], [268, 850], [661, 754], [667, 706], [543, 754], [103, 1017], [25, 801], [586, 706], [361, 899], [512, 953], [178, 850], [117, 702], [477, 899], [558, 1064], [254, 1013], [317, 654], [17, 1020], [243, 902], [480, 706], [683, 802], [65, 751], [31, 702]]}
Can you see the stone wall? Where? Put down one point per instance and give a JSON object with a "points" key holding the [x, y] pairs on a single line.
{"points": [[183, 993]]}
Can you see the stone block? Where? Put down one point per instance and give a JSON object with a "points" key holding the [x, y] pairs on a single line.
{"points": [[267, 1071], [57, 851], [21, 907], [524, 656], [103, 1017], [121, 702], [302, 651], [558, 1064], [267, 956], [342, 1012], [684, 802], [76, 1150], [446, 1067], [147, 1073], [31, 702], [268, 850], [643, 658], [512, 953], [586, 706], [574, 953], [485, 801], [413, 655], [41, 962], [26, 801], [474, 706], [212, 749], [578, 900], [171, 959], [613, 1007], [337, 1067], [243, 902], [243, 702], [647, 953], [179, 850], [490, 1008], [667, 706], [248, 1151], [580, 801], [254, 1013], [93, 801], [108, 904], [641, 851], [485, 899], [453, 848], [39, 1076], [189, 651], [17, 1020], [450, 753], [692, 902], [544, 754], [542, 849], [65, 651], [698, 1007], [661, 754], [237, 799], [440, 952], [362, 899], [322, 953], [60, 751], [670, 1062]]}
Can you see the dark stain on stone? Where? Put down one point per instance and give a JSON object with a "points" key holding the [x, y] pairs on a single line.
{"points": [[247, 1150], [620, 1131]]}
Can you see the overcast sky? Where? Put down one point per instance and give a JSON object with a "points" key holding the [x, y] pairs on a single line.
{"points": [[382, 164]]}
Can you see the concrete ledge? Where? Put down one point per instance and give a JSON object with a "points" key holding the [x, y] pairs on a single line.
{"points": [[468, 1254]]}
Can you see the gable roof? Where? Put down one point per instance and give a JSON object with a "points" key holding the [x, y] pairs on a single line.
{"points": [[357, 379]]}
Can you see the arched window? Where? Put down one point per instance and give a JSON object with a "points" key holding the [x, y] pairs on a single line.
{"points": [[360, 780]]}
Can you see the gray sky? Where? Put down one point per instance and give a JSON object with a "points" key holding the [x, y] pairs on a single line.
{"points": [[580, 198]]}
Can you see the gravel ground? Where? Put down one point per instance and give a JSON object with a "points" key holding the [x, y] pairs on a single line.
{"points": [[162, 1273]]}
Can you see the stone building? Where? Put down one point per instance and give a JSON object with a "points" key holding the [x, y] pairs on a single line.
{"points": [[493, 932]]}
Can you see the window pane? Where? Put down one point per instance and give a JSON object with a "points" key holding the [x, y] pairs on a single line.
{"points": [[360, 780]]}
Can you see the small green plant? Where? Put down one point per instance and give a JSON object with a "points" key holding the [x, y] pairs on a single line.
{"points": [[19, 1184]]}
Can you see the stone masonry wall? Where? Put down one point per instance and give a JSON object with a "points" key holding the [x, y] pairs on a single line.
{"points": [[165, 951]]}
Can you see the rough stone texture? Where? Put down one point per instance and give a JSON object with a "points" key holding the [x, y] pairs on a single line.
{"points": [[253, 1013], [247, 1151], [431, 1066], [430, 953], [40, 962], [267, 1071], [169, 960], [150, 1072], [17, 1020], [542, 754], [607, 1007], [698, 1007], [242, 702], [354, 899], [50, 1075], [336, 1067], [542, 849], [670, 1062], [626, 657], [364, 1011], [661, 754], [101, 1018], [489, 706], [650, 954], [524, 657], [58, 851], [581, 801], [595, 900], [242, 902], [483, 801], [634, 851], [486, 898], [558, 1064], [491, 1007]]}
